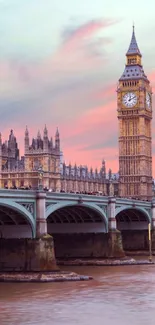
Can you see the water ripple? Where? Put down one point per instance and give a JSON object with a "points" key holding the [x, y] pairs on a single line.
{"points": [[117, 295]]}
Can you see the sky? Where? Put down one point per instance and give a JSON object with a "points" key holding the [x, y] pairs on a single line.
{"points": [[60, 62]]}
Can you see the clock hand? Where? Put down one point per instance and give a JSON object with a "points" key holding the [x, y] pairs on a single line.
{"points": [[131, 98]]}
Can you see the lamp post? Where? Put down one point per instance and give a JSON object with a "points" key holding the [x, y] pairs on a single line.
{"points": [[40, 181], [150, 243]]}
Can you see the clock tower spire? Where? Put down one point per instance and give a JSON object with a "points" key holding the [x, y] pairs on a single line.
{"points": [[133, 47], [134, 107]]}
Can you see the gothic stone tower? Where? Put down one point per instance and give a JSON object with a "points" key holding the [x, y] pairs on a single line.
{"points": [[134, 106]]}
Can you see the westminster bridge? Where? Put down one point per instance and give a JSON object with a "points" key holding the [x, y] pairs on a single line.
{"points": [[81, 225]]}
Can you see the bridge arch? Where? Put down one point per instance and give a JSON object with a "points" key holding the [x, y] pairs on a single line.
{"points": [[86, 208], [130, 217], [133, 224], [15, 220], [78, 229]]}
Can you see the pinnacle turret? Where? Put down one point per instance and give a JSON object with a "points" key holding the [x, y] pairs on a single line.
{"points": [[26, 140], [57, 133], [51, 143], [26, 132], [38, 135], [57, 140], [11, 136], [45, 139], [45, 131]]}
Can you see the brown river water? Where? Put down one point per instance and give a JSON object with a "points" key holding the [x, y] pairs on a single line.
{"points": [[118, 295]]}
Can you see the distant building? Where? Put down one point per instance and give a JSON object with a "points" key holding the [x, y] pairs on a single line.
{"points": [[81, 179], [40, 154], [44, 156]]}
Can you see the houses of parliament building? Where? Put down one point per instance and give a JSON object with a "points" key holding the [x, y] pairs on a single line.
{"points": [[43, 158]]}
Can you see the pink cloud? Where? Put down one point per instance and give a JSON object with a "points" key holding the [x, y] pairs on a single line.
{"points": [[94, 128], [93, 158], [90, 120], [106, 92], [85, 30], [70, 59], [74, 49]]}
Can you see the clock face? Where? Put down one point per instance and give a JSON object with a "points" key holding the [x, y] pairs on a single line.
{"points": [[148, 100], [130, 99]]}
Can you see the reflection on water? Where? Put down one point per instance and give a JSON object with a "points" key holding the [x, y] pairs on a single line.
{"points": [[122, 295]]}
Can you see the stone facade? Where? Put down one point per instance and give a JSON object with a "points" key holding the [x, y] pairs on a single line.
{"points": [[134, 97], [80, 179], [41, 160], [41, 165]]}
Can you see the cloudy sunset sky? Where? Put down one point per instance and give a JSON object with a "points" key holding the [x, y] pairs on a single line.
{"points": [[59, 65]]}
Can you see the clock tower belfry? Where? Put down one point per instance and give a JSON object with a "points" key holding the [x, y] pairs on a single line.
{"points": [[134, 107]]}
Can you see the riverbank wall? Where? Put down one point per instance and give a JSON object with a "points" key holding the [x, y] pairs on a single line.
{"points": [[41, 254], [38, 254]]}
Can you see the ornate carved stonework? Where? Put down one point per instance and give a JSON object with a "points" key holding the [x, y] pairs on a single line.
{"points": [[28, 206], [49, 204], [104, 208]]}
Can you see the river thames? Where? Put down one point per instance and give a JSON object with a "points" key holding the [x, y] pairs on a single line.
{"points": [[118, 295]]}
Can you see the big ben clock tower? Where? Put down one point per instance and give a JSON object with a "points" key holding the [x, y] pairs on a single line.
{"points": [[134, 107]]}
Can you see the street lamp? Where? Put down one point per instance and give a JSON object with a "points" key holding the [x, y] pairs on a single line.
{"points": [[150, 243], [40, 181]]}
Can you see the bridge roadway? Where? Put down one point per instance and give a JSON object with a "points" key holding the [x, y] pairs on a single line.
{"points": [[27, 213], [81, 225]]}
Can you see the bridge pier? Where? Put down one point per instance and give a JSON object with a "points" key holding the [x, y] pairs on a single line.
{"points": [[27, 254], [43, 243], [111, 214], [115, 237], [41, 222]]}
